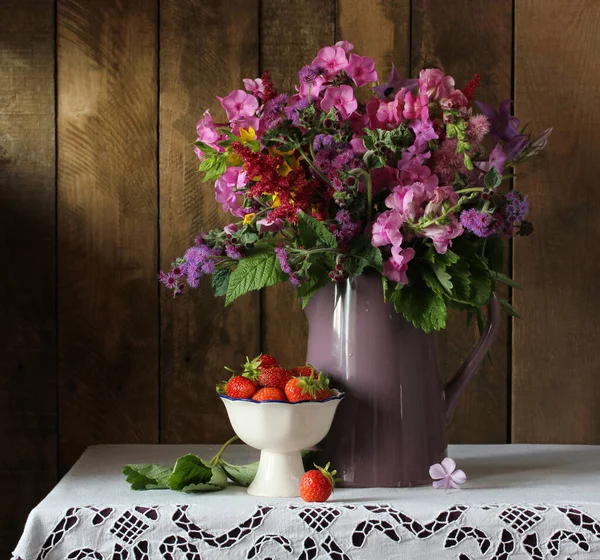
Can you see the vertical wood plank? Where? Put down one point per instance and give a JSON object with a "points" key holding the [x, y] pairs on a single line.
{"points": [[292, 32], [27, 251], [107, 216], [207, 49], [555, 347], [475, 36]]}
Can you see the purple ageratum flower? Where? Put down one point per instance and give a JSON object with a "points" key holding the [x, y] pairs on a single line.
{"points": [[516, 206], [233, 252], [344, 158], [386, 230], [394, 84], [361, 69], [446, 476], [343, 217], [291, 111], [309, 73], [479, 223], [342, 98], [282, 257], [503, 126], [323, 141]]}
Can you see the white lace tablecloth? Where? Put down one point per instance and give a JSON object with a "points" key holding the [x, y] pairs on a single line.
{"points": [[520, 501]]}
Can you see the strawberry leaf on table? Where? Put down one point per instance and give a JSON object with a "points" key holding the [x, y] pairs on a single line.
{"points": [[147, 477], [242, 475], [193, 474]]}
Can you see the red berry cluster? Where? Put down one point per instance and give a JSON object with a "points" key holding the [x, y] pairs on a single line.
{"points": [[264, 379]]}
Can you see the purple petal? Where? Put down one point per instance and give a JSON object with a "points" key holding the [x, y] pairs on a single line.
{"points": [[516, 145], [459, 477], [448, 465], [439, 484], [437, 472]]}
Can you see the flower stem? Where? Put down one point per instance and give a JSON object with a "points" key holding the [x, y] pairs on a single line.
{"points": [[215, 460], [311, 164], [470, 190]]}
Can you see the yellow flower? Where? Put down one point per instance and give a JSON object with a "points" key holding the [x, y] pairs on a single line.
{"points": [[246, 135], [276, 202], [276, 152], [283, 169], [248, 218], [234, 159]]}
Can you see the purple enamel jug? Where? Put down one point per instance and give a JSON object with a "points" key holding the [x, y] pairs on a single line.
{"points": [[392, 424]]}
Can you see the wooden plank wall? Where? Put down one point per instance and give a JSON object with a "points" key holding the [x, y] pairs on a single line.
{"points": [[95, 352]]}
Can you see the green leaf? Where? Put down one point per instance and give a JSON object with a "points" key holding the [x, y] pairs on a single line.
{"points": [[193, 474], [220, 281], [354, 266], [444, 278], [504, 279], [388, 288], [147, 477], [318, 279], [242, 475], [461, 282], [492, 179], [361, 246], [313, 232], [493, 251], [508, 308], [481, 284], [258, 270], [480, 320], [424, 308]]}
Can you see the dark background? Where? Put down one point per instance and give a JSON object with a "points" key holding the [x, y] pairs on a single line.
{"points": [[98, 106]]}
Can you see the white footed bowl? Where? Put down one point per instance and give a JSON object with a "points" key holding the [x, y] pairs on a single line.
{"points": [[281, 430]]}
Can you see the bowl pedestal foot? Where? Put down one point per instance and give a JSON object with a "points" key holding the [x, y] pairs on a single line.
{"points": [[278, 475]]}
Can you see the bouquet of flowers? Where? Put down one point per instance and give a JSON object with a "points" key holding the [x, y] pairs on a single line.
{"points": [[340, 179]]}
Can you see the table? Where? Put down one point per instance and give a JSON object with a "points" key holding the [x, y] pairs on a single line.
{"points": [[521, 501]]}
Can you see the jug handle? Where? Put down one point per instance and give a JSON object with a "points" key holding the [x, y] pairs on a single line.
{"points": [[455, 387]]}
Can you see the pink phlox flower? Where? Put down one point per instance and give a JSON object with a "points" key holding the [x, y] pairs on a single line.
{"points": [[342, 98], [394, 84], [408, 200], [424, 131], [414, 156], [386, 229], [414, 105], [446, 476], [435, 83], [395, 267], [332, 60], [207, 132], [227, 188], [361, 69], [270, 225], [239, 105], [314, 88], [346, 45], [259, 125], [255, 87], [442, 235], [358, 145], [440, 195]]}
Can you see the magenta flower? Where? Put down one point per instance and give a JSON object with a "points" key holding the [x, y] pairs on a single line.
{"points": [[255, 87], [271, 225], [314, 88], [414, 156], [394, 84], [395, 267], [358, 145], [346, 45], [332, 60], [455, 100], [442, 235], [226, 190], [207, 132], [361, 69], [446, 476], [503, 126], [435, 83], [440, 195], [414, 106], [423, 130], [386, 114], [342, 98], [239, 105], [408, 200], [386, 230], [230, 229]]}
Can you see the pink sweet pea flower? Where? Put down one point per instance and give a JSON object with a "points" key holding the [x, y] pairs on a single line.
{"points": [[395, 267], [441, 194], [342, 98], [255, 87], [435, 83], [386, 230], [361, 69], [332, 60], [386, 114], [442, 235], [226, 190], [239, 105], [346, 45], [408, 200], [446, 476], [273, 226], [455, 100], [230, 229]]}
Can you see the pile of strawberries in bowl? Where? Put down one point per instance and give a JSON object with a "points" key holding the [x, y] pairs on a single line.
{"points": [[265, 379]]}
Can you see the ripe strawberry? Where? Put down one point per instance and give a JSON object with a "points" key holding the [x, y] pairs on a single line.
{"points": [[269, 394], [274, 377], [305, 371], [300, 389], [253, 367], [317, 485], [239, 387]]}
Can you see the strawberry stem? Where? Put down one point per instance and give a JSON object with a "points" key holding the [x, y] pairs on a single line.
{"points": [[215, 460]]}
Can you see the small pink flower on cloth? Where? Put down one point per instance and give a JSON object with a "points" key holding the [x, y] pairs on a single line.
{"points": [[446, 476]]}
